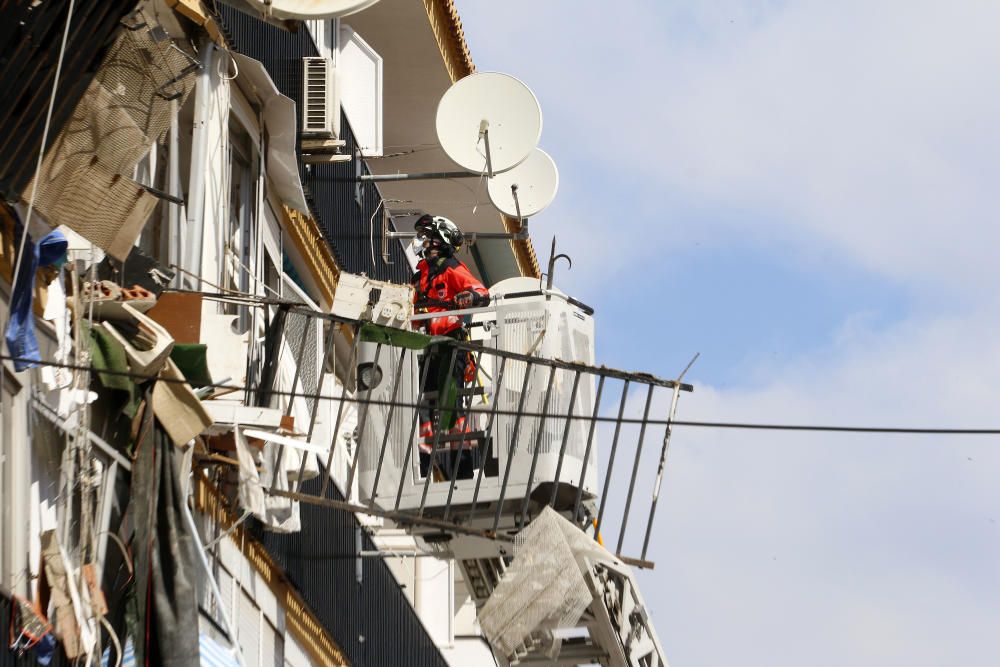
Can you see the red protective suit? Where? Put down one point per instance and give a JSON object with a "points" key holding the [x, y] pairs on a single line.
{"points": [[436, 285]]}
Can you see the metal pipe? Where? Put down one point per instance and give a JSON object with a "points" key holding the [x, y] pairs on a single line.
{"points": [[421, 176], [484, 132], [539, 434], [472, 236], [199, 150], [659, 468], [175, 231], [611, 460], [200, 550], [635, 467], [402, 518], [513, 445]]}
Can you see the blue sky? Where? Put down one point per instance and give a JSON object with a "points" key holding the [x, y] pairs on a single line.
{"points": [[804, 192]]}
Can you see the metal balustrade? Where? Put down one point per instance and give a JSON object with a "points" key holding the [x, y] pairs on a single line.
{"points": [[539, 430]]}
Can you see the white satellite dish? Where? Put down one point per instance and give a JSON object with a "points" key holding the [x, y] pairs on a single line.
{"points": [[488, 114], [305, 10], [526, 189]]}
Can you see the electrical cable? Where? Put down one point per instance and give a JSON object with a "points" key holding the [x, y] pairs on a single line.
{"points": [[899, 430]]}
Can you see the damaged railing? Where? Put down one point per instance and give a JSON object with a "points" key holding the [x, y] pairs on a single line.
{"points": [[461, 437]]}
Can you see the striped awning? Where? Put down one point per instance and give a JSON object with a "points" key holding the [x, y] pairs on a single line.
{"points": [[213, 654]]}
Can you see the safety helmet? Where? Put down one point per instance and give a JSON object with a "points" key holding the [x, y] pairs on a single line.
{"points": [[440, 231]]}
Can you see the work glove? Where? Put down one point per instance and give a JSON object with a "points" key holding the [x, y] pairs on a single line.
{"points": [[468, 298]]}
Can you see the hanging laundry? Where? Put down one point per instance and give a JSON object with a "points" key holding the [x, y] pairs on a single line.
{"points": [[56, 312], [20, 335], [165, 573], [277, 513]]}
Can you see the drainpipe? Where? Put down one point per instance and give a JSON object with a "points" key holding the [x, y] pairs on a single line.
{"points": [[199, 149], [175, 232], [221, 604]]}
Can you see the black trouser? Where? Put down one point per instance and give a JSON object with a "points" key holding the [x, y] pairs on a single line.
{"points": [[434, 373]]}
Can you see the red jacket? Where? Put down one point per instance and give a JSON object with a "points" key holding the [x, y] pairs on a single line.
{"points": [[435, 289]]}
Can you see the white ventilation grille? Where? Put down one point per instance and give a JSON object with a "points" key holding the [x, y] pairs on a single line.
{"points": [[320, 98]]}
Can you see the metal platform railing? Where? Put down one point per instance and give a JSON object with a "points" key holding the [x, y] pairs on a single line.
{"points": [[537, 432]]}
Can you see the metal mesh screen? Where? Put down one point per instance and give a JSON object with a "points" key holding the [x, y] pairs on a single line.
{"points": [[143, 80], [544, 588]]}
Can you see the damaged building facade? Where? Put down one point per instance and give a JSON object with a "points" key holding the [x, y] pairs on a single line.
{"points": [[210, 378], [174, 160]]}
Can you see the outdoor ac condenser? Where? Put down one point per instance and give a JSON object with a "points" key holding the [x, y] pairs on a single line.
{"points": [[320, 98]]}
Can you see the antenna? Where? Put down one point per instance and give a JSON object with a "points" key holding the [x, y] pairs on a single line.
{"points": [[488, 122], [528, 188]]}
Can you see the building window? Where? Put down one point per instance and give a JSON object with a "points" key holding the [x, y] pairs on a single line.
{"points": [[239, 228]]}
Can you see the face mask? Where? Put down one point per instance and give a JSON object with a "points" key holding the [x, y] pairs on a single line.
{"points": [[417, 246]]}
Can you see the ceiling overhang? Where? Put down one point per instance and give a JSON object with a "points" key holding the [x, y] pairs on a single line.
{"points": [[423, 52]]}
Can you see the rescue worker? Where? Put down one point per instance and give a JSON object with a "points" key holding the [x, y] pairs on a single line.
{"points": [[443, 283]]}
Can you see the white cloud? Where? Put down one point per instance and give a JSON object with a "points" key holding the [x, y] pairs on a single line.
{"points": [[867, 129], [869, 126]]}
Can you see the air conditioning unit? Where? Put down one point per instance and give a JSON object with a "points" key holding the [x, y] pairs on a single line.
{"points": [[320, 98]]}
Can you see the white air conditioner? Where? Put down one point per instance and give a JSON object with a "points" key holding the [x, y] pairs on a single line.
{"points": [[320, 98]]}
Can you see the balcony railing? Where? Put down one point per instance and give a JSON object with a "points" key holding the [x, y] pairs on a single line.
{"points": [[510, 432]]}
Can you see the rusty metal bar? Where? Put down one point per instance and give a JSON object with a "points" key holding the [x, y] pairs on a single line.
{"points": [[635, 467], [402, 518], [437, 432], [659, 469], [611, 461], [586, 454], [565, 439], [539, 434], [388, 422], [513, 444], [497, 388]]}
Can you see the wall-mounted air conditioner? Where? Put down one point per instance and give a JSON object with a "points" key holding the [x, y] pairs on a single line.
{"points": [[320, 98]]}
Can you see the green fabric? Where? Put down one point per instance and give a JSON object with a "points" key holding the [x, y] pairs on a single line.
{"points": [[107, 354], [448, 392], [411, 340], [192, 361]]}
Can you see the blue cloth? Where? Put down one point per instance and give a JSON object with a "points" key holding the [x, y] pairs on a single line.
{"points": [[20, 335], [44, 650]]}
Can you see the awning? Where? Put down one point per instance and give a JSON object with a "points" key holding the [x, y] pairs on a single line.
{"points": [[212, 654], [280, 124]]}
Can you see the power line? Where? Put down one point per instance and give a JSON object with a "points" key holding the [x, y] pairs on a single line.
{"points": [[888, 430], [839, 429]]}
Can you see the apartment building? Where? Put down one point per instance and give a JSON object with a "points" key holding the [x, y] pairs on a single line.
{"points": [[204, 274]]}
